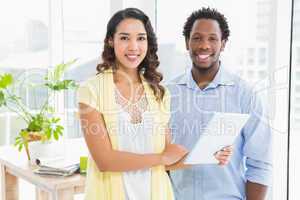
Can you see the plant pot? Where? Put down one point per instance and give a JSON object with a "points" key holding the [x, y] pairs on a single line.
{"points": [[45, 150]]}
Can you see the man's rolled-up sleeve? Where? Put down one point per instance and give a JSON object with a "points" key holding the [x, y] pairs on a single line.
{"points": [[258, 145], [259, 172]]}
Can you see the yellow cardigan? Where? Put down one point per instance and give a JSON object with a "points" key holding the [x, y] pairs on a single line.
{"points": [[97, 92]]}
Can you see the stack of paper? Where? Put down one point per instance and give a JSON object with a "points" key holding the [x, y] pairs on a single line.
{"points": [[65, 171], [64, 165]]}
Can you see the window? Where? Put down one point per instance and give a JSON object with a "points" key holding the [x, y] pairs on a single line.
{"points": [[250, 56], [297, 76], [297, 89], [262, 75], [295, 108], [24, 51], [38, 35], [84, 32], [297, 56], [262, 56]]}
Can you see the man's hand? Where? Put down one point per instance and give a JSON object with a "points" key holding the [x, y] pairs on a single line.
{"points": [[223, 156]]}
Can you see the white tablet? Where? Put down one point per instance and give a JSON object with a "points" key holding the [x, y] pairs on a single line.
{"points": [[221, 131]]}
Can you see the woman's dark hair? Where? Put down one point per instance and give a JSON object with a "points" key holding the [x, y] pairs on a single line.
{"points": [[150, 63], [206, 13]]}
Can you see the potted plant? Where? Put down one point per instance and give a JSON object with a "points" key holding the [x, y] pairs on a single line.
{"points": [[43, 125]]}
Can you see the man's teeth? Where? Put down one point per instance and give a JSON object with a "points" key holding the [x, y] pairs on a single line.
{"points": [[203, 56]]}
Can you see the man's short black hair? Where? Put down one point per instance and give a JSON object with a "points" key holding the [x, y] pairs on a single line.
{"points": [[206, 13]]}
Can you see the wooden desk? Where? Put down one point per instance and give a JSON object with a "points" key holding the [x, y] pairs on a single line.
{"points": [[15, 165]]}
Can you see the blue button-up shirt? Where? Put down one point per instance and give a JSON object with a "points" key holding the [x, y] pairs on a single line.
{"points": [[191, 109]]}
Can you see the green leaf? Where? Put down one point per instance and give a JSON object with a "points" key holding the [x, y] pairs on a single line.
{"points": [[49, 85], [50, 109], [37, 123], [2, 99], [62, 85], [48, 133], [24, 134], [58, 71], [18, 140], [55, 134], [20, 147], [55, 120], [72, 84], [59, 130], [5, 80]]}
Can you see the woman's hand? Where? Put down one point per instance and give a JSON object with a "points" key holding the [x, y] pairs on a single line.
{"points": [[224, 155], [173, 153]]}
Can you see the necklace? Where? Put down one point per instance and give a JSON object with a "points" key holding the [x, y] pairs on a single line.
{"points": [[134, 109]]}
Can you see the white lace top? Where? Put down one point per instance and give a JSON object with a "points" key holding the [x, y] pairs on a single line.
{"points": [[134, 135]]}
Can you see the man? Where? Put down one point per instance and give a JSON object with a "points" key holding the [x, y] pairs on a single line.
{"points": [[206, 88]]}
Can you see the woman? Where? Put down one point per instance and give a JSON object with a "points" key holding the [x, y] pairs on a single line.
{"points": [[124, 114]]}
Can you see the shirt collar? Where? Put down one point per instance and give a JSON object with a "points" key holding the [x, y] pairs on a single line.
{"points": [[223, 77]]}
